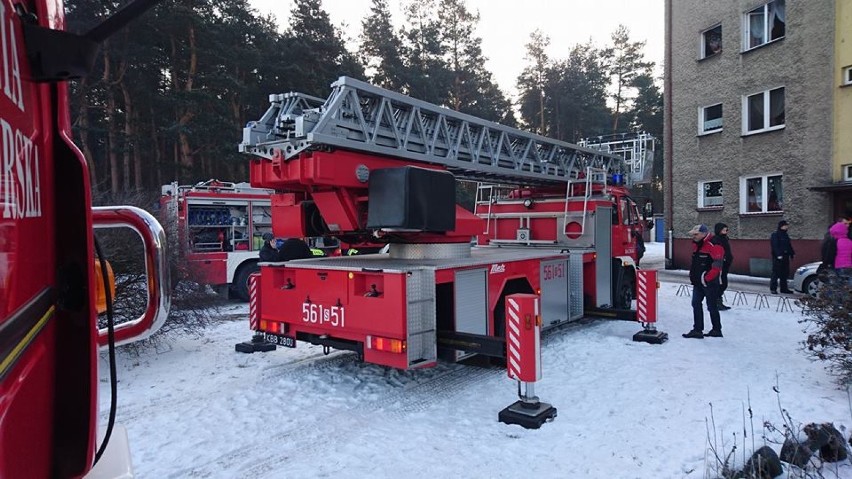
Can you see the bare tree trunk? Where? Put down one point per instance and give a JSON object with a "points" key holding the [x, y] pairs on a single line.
{"points": [[129, 133], [114, 173], [158, 157], [82, 123], [618, 101], [186, 114]]}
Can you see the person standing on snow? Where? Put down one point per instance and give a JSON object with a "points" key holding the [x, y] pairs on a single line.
{"points": [[782, 253], [707, 259], [721, 238], [843, 257]]}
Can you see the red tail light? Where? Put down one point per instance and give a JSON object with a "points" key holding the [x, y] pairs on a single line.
{"points": [[386, 344]]}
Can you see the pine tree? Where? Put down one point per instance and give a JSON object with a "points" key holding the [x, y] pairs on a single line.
{"points": [[532, 83], [626, 61], [472, 88], [382, 50], [316, 49]]}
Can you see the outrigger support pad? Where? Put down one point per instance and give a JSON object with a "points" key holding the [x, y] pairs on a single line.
{"points": [[257, 345], [651, 335], [527, 414]]}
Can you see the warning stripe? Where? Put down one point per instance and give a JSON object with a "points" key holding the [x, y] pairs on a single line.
{"points": [[253, 319], [513, 333]]}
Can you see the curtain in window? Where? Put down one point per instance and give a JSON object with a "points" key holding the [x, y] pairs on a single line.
{"points": [[776, 107], [754, 195], [755, 112], [777, 24], [776, 194], [756, 28], [777, 11]]}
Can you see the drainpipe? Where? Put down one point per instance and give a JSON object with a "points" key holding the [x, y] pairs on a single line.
{"points": [[667, 136]]}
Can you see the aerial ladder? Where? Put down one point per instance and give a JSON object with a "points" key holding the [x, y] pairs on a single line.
{"points": [[372, 165]]}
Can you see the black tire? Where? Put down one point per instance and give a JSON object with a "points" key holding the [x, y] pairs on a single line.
{"points": [[625, 290], [811, 285], [240, 286]]}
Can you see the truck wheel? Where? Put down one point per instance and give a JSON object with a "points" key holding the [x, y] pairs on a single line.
{"points": [[240, 286], [625, 291]]}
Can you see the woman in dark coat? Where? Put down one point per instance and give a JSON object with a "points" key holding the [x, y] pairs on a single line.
{"points": [[721, 239]]}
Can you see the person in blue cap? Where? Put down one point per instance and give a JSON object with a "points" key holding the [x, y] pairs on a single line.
{"points": [[704, 274]]}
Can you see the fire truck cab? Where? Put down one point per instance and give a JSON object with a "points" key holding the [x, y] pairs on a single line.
{"points": [[49, 277]]}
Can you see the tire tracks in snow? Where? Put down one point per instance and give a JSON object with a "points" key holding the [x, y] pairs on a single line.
{"points": [[264, 456]]}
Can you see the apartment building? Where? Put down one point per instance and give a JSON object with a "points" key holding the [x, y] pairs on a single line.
{"points": [[758, 123]]}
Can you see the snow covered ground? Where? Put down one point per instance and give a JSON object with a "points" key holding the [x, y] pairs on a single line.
{"points": [[625, 409]]}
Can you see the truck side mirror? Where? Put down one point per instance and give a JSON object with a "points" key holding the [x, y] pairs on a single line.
{"points": [[56, 55]]}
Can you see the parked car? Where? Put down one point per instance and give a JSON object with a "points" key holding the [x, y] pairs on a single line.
{"points": [[806, 280]]}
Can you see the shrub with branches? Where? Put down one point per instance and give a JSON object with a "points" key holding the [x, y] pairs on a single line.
{"points": [[193, 305], [829, 326]]}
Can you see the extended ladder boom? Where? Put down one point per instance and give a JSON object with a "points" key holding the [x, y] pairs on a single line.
{"points": [[361, 117]]}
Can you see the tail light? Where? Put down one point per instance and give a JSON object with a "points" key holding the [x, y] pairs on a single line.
{"points": [[386, 344]]}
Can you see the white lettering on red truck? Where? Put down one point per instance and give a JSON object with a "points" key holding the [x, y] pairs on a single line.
{"points": [[20, 181], [21, 184], [11, 69]]}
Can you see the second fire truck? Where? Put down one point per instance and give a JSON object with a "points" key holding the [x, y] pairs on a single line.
{"points": [[371, 165]]}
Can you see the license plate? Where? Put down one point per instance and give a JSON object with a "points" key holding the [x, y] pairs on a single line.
{"points": [[286, 341]]}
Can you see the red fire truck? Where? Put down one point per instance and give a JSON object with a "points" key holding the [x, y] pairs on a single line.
{"points": [[220, 225], [371, 165], [50, 281]]}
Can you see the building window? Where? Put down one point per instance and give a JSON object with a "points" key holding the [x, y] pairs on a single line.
{"points": [[847, 172], [710, 194], [710, 119], [761, 194], [847, 75], [711, 41], [763, 111], [764, 24]]}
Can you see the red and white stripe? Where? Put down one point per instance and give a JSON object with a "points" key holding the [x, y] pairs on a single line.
{"points": [[646, 296], [254, 302], [513, 338]]}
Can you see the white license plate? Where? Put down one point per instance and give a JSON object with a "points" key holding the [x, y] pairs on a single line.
{"points": [[286, 341]]}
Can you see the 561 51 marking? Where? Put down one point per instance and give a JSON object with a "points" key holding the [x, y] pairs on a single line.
{"points": [[319, 314]]}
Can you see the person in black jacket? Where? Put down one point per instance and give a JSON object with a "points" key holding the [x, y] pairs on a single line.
{"points": [[782, 253], [721, 239], [294, 248], [268, 252]]}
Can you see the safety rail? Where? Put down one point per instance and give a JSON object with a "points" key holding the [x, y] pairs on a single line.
{"points": [[488, 194], [361, 117], [592, 177]]}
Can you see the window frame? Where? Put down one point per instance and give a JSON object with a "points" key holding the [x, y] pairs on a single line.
{"points": [[767, 106], [764, 194], [702, 200], [846, 172], [702, 46], [847, 76], [701, 121], [746, 27]]}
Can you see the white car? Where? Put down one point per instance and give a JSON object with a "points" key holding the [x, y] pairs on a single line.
{"points": [[805, 279]]}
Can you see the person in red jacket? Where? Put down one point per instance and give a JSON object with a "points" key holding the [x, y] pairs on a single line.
{"points": [[704, 273]]}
